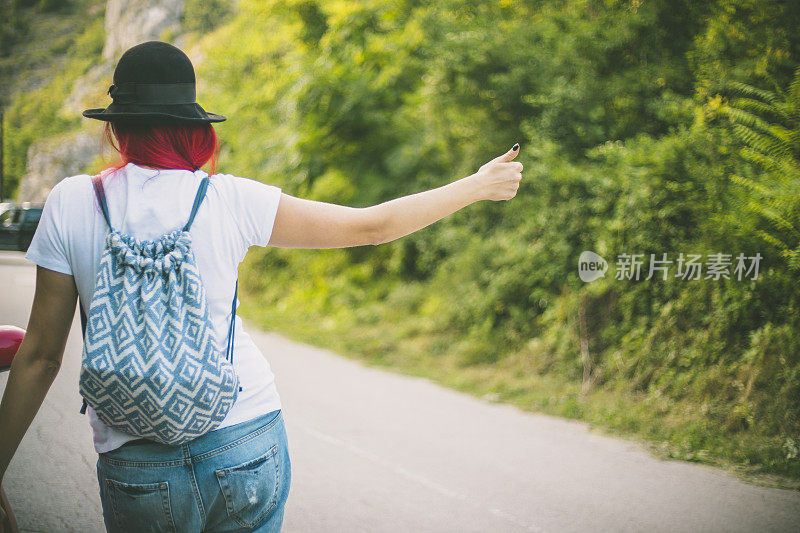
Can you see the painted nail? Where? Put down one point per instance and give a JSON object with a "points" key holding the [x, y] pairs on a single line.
{"points": [[515, 147]]}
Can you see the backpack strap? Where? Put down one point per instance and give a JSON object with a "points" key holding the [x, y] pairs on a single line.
{"points": [[198, 199], [229, 351], [83, 329], [201, 193], [231, 329], [101, 199]]}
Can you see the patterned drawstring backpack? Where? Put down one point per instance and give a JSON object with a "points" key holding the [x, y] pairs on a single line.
{"points": [[150, 364]]}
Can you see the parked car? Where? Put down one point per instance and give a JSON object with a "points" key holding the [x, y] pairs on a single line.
{"points": [[18, 224]]}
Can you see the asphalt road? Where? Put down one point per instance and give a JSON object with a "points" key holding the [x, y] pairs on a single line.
{"points": [[375, 451]]}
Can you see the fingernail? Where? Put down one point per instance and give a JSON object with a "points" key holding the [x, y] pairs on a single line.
{"points": [[515, 147]]}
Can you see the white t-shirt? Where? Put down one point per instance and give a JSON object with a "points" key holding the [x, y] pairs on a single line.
{"points": [[236, 213]]}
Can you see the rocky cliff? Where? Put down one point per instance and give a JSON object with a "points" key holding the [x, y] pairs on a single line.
{"points": [[52, 159], [130, 22]]}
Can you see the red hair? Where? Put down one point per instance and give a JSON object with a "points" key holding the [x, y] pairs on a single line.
{"points": [[169, 146]]}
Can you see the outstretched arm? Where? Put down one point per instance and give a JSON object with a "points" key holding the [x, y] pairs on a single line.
{"points": [[302, 223]]}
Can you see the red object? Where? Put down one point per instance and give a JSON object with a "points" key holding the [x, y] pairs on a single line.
{"points": [[184, 146], [10, 339]]}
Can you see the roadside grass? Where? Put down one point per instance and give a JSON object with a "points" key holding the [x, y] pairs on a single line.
{"points": [[388, 336]]}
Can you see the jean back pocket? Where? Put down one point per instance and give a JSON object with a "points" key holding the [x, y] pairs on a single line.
{"points": [[250, 489], [141, 507]]}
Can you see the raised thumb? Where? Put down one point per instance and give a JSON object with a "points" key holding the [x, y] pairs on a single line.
{"points": [[510, 155]]}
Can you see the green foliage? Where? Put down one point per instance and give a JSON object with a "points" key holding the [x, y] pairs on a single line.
{"points": [[746, 41], [768, 125], [631, 144], [34, 39], [37, 113], [204, 15]]}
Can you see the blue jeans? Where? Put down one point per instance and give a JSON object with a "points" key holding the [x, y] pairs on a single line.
{"points": [[232, 479]]}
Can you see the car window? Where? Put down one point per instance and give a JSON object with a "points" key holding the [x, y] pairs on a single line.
{"points": [[33, 215], [15, 218]]}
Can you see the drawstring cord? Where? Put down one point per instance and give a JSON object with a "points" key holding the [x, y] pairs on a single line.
{"points": [[232, 327]]}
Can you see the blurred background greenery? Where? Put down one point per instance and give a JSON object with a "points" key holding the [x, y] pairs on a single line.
{"points": [[646, 126]]}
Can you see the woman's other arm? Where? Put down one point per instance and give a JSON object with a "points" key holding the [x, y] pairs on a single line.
{"points": [[38, 359], [302, 223]]}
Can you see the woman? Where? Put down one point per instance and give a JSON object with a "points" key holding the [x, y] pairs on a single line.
{"points": [[237, 477]]}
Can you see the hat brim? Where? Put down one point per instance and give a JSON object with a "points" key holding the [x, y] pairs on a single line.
{"points": [[153, 113]]}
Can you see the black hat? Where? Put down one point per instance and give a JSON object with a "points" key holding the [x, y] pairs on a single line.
{"points": [[153, 83]]}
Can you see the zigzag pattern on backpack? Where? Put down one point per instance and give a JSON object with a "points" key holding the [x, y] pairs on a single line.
{"points": [[151, 365]]}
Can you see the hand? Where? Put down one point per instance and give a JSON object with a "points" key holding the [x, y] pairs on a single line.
{"points": [[499, 178]]}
